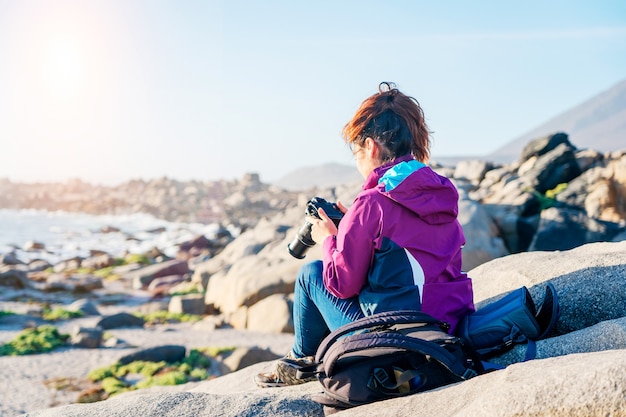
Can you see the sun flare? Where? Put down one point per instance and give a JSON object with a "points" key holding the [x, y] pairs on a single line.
{"points": [[64, 65]]}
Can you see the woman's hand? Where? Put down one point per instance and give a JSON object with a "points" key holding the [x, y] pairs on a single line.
{"points": [[324, 227]]}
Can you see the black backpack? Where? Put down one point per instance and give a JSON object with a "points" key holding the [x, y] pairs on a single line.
{"points": [[389, 354]]}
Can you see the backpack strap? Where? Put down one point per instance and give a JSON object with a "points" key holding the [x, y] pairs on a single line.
{"points": [[515, 337], [379, 321], [404, 381], [398, 341]]}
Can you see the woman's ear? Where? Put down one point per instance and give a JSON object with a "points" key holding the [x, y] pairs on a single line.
{"points": [[372, 149]]}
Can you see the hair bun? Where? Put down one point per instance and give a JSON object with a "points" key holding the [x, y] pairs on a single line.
{"points": [[386, 86]]}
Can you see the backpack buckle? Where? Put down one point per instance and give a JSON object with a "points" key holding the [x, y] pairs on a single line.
{"points": [[469, 373], [381, 375]]}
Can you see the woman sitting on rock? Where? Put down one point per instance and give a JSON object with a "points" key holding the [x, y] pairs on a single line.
{"points": [[397, 247]]}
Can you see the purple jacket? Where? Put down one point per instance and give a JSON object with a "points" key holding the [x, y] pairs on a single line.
{"points": [[399, 245]]}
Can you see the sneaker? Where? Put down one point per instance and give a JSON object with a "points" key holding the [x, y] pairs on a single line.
{"points": [[268, 380], [285, 373], [287, 369]]}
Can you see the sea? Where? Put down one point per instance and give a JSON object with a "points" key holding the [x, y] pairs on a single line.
{"points": [[65, 235]]}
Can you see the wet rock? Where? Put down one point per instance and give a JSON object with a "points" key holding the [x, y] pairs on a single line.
{"points": [[167, 353], [85, 306], [12, 276], [77, 283], [162, 285], [194, 246], [99, 261], [10, 259], [38, 265], [90, 338], [109, 229], [119, 320], [68, 265], [142, 277], [33, 246]]}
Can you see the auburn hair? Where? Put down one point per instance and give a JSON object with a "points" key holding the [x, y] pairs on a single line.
{"points": [[392, 119]]}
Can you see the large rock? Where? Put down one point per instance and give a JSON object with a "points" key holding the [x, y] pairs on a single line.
{"points": [[483, 241], [255, 265], [78, 283], [472, 170], [142, 277], [580, 373], [567, 228], [579, 385], [13, 276], [187, 304], [589, 281], [272, 314]]}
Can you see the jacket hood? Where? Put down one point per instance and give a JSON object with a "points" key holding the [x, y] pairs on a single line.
{"points": [[417, 187]]}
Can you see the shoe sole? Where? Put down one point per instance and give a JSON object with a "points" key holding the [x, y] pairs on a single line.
{"points": [[270, 384]]}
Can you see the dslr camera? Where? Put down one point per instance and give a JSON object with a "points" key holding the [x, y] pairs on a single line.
{"points": [[303, 241]]}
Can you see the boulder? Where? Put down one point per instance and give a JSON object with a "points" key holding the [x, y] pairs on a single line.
{"points": [[482, 236], [589, 281], [167, 353], [567, 228], [553, 168], [85, 306], [120, 320], [193, 247], [472, 170], [78, 283], [38, 265], [98, 261], [272, 314], [187, 304], [86, 337], [577, 385], [162, 285], [68, 265], [544, 144], [141, 278], [243, 357], [581, 371], [10, 259], [237, 277], [13, 276], [33, 246]]}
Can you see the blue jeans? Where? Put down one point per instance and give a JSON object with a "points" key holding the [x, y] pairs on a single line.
{"points": [[316, 312]]}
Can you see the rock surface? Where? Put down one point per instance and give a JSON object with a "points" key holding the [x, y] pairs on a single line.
{"points": [[580, 372]]}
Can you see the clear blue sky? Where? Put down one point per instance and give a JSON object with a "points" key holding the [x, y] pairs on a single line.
{"points": [[112, 90]]}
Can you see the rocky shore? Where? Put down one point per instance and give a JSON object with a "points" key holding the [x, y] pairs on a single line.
{"points": [[528, 223], [579, 371]]}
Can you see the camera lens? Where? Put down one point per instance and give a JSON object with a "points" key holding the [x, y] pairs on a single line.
{"points": [[302, 242]]}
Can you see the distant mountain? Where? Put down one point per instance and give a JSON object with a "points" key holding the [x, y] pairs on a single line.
{"points": [[321, 176], [599, 123]]}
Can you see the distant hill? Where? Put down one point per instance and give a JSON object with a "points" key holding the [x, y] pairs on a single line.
{"points": [[598, 123], [321, 176]]}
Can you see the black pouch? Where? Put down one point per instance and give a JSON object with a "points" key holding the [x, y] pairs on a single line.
{"points": [[514, 319]]}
